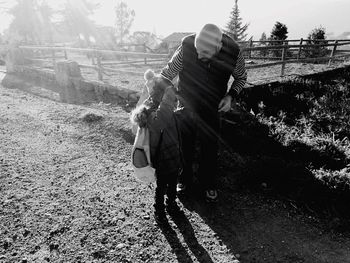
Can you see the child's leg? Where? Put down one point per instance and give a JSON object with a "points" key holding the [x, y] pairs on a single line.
{"points": [[159, 196], [159, 207]]}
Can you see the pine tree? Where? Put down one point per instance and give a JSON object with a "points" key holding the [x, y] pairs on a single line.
{"points": [[234, 27], [279, 32]]}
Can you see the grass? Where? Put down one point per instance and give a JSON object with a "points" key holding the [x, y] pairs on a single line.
{"points": [[297, 144]]}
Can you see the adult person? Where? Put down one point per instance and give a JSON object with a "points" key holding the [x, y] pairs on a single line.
{"points": [[204, 63]]}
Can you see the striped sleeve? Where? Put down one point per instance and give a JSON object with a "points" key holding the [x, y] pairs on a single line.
{"points": [[174, 66], [240, 76]]}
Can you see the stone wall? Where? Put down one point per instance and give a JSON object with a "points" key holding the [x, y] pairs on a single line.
{"points": [[66, 79]]}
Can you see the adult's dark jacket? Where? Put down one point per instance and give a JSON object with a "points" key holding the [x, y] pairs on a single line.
{"points": [[203, 84]]}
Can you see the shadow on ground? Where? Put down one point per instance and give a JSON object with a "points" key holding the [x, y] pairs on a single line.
{"points": [[267, 165], [186, 230]]}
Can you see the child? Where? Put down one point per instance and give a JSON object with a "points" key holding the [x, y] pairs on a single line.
{"points": [[157, 113]]}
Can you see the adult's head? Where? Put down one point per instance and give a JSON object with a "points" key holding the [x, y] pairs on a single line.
{"points": [[208, 41]]}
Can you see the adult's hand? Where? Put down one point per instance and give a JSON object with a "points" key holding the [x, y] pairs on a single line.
{"points": [[225, 103]]}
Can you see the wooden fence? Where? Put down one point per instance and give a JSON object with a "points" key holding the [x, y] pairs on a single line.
{"points": [[101, 60], [104, 61], [286, 48]]}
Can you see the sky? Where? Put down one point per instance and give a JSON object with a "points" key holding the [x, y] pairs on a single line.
{"points": [[164, 17], [301, 16]]}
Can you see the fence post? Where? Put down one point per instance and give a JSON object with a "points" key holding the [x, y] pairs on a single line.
{"points": [[53, 57], [284, 52], [65, 52], [250, 45], [299, 51], [145, 60], [333, 52], [99, 66]]}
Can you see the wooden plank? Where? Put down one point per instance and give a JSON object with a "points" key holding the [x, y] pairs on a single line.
{"points": [[123, 71], [294, 46], [129, 54], [332, 54], [284, 52], [293, 40], [250, 45], [300, 48], [88, 66], [47, 57], [289, 61], [117, 62], [263, 65], [99, 66]]}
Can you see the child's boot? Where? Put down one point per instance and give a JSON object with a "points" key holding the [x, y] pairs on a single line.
{"points": [[171, 205], [159, 208]]}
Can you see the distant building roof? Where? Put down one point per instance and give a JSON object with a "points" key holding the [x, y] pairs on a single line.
{"points": [[176, 36]]}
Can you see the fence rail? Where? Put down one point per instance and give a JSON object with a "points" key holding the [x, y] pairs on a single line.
{"points": [[103, 60]]}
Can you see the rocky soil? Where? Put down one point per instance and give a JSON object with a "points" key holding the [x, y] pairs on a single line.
{"points": [[68, 195]]}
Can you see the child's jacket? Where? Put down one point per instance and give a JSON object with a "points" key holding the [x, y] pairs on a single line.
{"points": [[164, 140]]}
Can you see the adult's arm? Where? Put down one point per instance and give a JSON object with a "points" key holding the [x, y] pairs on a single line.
{"points": [[174, 66], [240, 77], [239, 74]]}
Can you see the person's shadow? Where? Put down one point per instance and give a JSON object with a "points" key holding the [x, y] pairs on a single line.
{"points": [[219, 217], [189, 236]]}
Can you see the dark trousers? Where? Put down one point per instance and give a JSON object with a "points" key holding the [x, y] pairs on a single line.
{"points": [[166, 185], [204, 128]]}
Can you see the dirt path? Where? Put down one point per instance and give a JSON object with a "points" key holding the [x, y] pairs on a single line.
{"points": [[67, 195]]}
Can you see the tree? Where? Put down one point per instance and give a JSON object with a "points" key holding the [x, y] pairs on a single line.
{"points": [[234, 27], [45, 13], [25, 23], [76, 20], [31, 21], [124, 20], [148, 39], [317, 36], [279, 32]]}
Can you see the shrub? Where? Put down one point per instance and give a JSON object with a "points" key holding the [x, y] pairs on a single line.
{"points": [[316, 36], [279, 32]]}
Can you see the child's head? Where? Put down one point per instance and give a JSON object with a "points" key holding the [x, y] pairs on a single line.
{"points": [[156, 85]]}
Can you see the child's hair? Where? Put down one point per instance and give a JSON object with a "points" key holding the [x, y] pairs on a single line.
{"points": [[139, 115], [159, 85]]}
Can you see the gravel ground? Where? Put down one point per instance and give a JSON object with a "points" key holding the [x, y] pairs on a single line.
{"points": [[68, 195]]}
